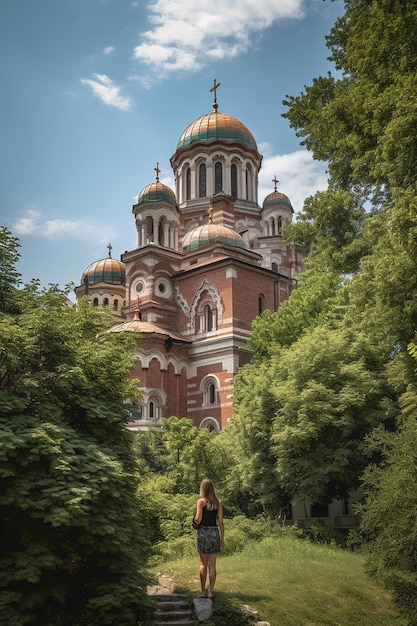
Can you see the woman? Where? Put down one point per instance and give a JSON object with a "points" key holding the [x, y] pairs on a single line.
{"points": [[210, 536]]}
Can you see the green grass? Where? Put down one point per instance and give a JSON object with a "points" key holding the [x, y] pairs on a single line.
{"points": [[293, 582]]}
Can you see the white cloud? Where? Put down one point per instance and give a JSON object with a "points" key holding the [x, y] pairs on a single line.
{"points": [[187, 34], [33, 222], [299, 176], [109, 50], [104, 88]]}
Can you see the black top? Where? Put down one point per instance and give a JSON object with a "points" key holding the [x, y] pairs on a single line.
{"points": [[209, 517]]}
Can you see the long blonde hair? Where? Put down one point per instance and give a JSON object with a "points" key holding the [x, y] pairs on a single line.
{"points": [[208, 492]]}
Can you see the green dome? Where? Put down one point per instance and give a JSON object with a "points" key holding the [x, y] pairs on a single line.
{"points": [[155, 192], [209, 234], [106, 270], [276, 198], [217, 126]]}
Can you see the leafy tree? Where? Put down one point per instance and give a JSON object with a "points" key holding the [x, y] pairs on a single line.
{"points": [[192, 454], [362, 122], [252, 482], [330, 392], [9, 276], [74, 539], [389, 523], [312, 301]]}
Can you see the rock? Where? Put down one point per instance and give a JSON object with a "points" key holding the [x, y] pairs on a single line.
{"points": [[203, 608], [166, 582], [263, 624], [248, 609]]}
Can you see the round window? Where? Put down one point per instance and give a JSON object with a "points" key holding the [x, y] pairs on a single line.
{"points": [[163, 287]]}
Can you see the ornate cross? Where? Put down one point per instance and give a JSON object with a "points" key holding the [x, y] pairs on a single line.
{"points": [[110, 248], [158, 171], [275, 181], [214, 89]]}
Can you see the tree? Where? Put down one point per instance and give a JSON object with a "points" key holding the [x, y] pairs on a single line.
{"points": [[312, 301], [9, 276], [252, 481], [330, 392], [362, 122], [389, 524], [74, 540]]}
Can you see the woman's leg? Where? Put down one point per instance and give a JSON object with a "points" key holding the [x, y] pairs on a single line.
{"points": [[203, 572], [211, 564]]}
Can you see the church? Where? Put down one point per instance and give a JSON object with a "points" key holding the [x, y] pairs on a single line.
{"points": [[209, 259]]}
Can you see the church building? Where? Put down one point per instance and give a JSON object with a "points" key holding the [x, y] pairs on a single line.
{"points": [[209, 259]]}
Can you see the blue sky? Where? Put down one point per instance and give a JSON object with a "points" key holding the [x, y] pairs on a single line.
{"points": [[96, 92]]}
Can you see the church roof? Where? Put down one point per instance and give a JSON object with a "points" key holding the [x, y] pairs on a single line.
{"points": [[106, 270], [157, 191], [211, 233], [145, 328], [277, 198], [217, 126]]}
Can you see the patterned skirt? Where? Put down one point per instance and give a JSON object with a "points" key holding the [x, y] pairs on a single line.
{"points": [[208, 539]]}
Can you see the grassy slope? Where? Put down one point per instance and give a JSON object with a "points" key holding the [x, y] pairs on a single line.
{"points": [[296, 583]]}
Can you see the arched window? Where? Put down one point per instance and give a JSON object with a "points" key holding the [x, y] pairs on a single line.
{"points": [[115, 305], [279, 224], [95, 302], [188, 184], [152, 410], [249, 195], [274, 266], [202, 186], [208, 318], [106, 302], [211, 393], [260, 304], [233, 180], [149, 229], [218, 177]]}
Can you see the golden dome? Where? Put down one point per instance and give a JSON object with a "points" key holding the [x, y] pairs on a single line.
{"points": [[211, 233], [157, 191], [106, 270], [217, 126], [276, 198]]}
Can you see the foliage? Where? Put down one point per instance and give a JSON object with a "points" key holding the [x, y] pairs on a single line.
{"points": [[330, 226], [74, 539], [362, 122], [252, 482], [328, 391], [9, 276], [312, 302], [389, 513]]}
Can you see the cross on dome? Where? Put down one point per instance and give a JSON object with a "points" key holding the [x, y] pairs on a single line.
{"points": [[216, 85], [109, 248], [158, 171], [275, 181]]}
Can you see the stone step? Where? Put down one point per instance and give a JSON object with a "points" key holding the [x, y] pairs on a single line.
{"points": [[173, 606], [176, 614], [182, 622], [172, 610]]}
